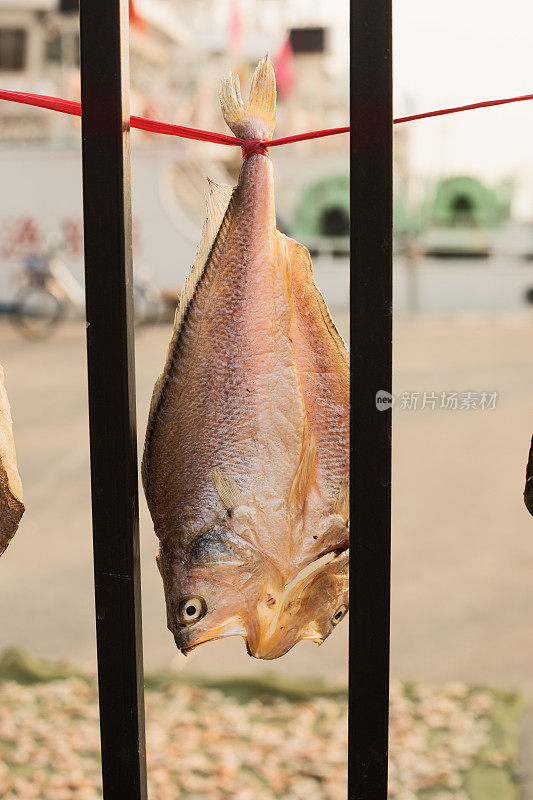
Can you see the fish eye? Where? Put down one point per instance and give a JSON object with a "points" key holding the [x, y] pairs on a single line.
{"points": [[191, 609], [339, 614]]}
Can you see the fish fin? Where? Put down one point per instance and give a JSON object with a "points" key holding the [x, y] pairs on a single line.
{"points": [[154, 403], [284, 263], [233, 109], [302, 479], [217, 203], [262, 100], [342, 504], [228, 491], [258, 119], [301, 263]]}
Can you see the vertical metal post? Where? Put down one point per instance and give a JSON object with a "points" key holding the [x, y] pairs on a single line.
{"points": [[110, 351], [371, 349]]}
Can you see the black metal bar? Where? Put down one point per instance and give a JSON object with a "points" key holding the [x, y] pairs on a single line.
{"points": [[110, 352], [371, 354]]}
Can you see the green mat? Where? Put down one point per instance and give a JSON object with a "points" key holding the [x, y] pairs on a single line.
{"points": [[450, 742]]}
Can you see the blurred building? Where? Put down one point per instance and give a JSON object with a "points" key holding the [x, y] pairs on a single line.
{"points": [[178, 50], [308, 42], [39, 52], [40, 154]]}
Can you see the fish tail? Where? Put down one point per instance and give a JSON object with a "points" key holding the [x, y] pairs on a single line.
{"points": [[258, 119], [262, 101]]}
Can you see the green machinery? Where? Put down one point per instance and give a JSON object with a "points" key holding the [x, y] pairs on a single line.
{"points": [[463, 201], [460, 215], [322, 219], [454, 219]]}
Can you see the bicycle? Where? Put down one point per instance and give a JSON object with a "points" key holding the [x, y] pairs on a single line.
{"points": [[49, 293]]}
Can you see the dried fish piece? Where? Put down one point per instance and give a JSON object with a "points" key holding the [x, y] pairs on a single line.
{"points": [[11, 506], [246, 459]]}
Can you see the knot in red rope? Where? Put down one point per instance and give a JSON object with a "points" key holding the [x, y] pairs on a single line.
{"points": [[254, 147]]}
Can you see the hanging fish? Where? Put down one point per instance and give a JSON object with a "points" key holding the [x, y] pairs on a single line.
{"points": [[11, 506], [246, 462]]}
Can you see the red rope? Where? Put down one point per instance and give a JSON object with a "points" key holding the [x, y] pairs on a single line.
{"points": [[249, 146], [469, 107], [152, 125], [41, 100]]}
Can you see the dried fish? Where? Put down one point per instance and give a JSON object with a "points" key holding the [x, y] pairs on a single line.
{"points": [[11, 506], [246, 460]]}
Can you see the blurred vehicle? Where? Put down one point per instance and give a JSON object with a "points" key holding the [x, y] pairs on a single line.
{"points": [[49, 294]]}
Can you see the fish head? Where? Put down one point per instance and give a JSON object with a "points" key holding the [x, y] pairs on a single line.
{"points": [[219, 586], [222, 581], [312, 607]]}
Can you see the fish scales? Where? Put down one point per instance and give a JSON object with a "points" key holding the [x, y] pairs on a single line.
{"points": [[246, 455], [233, 396]]}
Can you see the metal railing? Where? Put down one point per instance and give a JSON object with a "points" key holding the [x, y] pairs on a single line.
{"points": [[111, 370], [110, 348], [371, 371]]}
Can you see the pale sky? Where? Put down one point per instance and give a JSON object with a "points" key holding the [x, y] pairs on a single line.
{"points": [[453, 52]]}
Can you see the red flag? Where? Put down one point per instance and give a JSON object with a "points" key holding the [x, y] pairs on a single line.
{"points": [[235, 29], [283, 69], [135, 19]]}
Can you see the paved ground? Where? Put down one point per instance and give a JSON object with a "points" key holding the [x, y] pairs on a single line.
{"points": [[463, 542]]}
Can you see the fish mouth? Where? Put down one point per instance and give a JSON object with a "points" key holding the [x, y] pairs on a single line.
{"points": [[186, 650], [273, 651], [187, 641], [278, 643]]}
